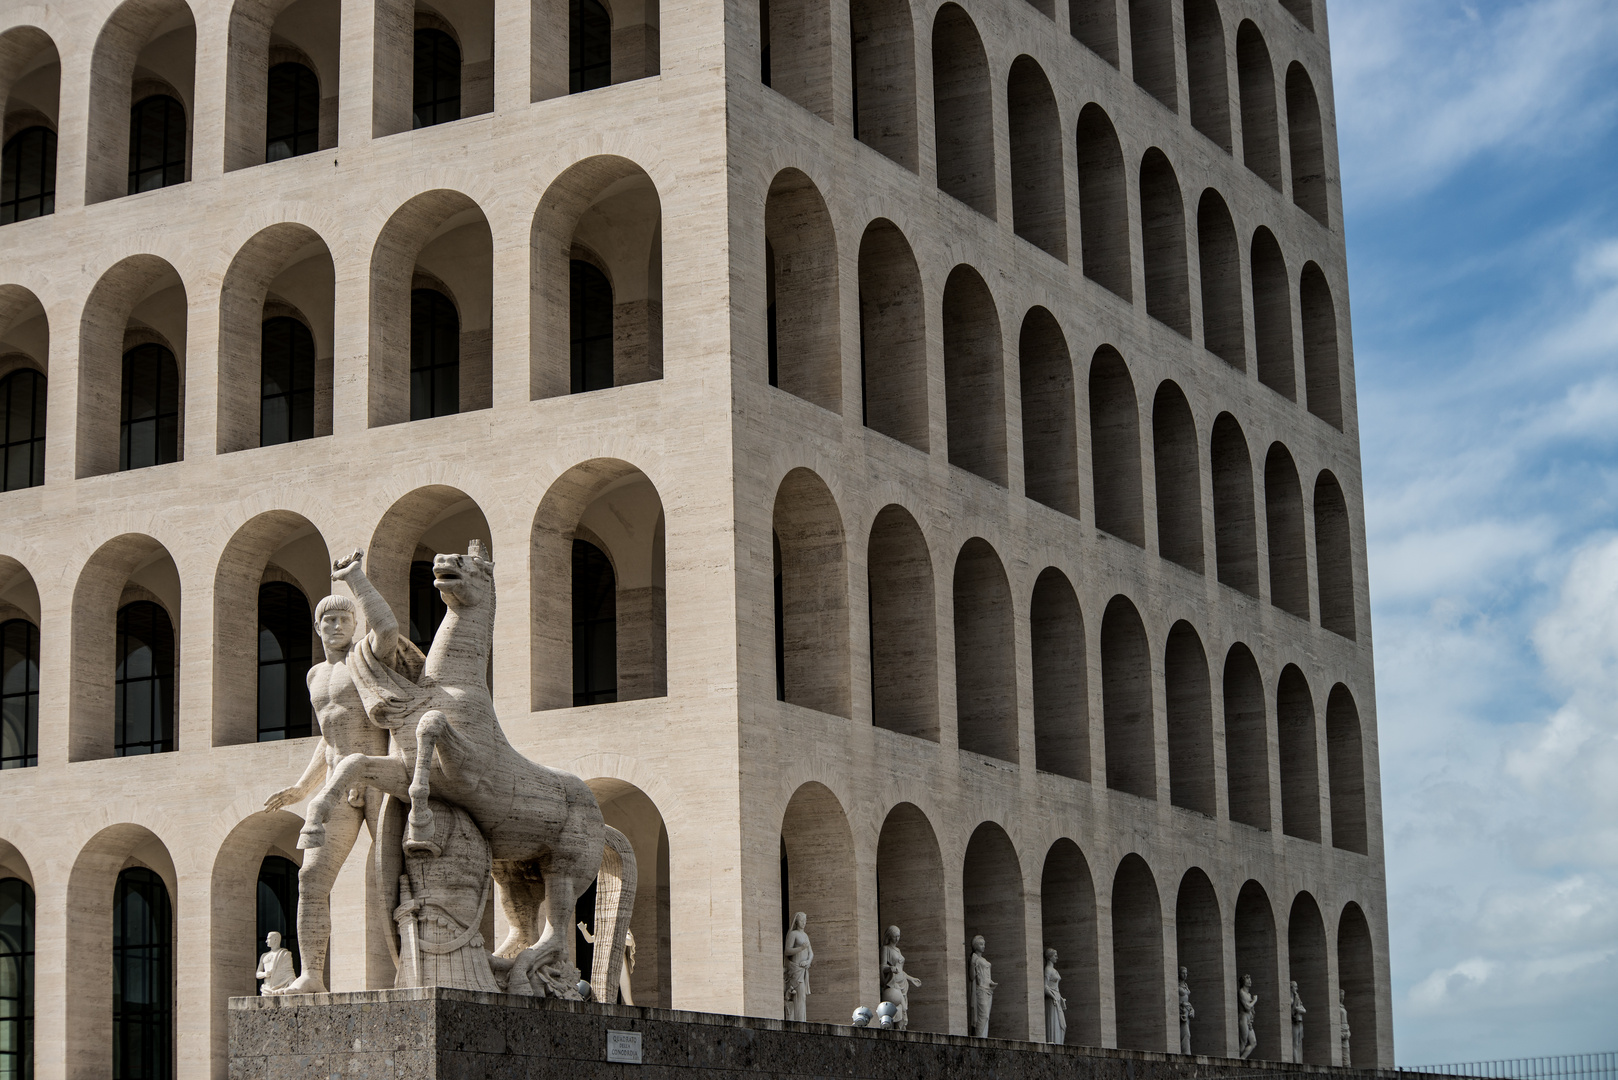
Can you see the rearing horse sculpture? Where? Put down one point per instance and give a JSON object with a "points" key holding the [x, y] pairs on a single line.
{"points": [[544, 827]]}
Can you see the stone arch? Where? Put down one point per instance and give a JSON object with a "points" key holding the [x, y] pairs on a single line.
{"points": [[286, 268], [425, 522], [1038, 191], [1067, 898], [797, 37], [470, 24], [882, 58], [1302, 10], [1094, 23], [288, 542], [1126, 701], [974, 378], [1261, 135], [142, 46], [632, 812], [19, 948], [437, 237], [1178, 469], [1200, 949], [1151, 36], [1356, 973], [1322, 377], [904, 626], [1257, 955], [1206, 71], [1345, 760], [1235, 523], [1050, 438], [812, 609], [992, 901], [606, 211], [1334, 557], [1188, 695], [124, 569], [254, 25], [910, 895], [802, 305], [1162, 226], [30, 93], [1307, 140], [1272, 316], [1284, 528], [91, 882], [1103, 203], [1223, 331], [893, 336], [1115, 448], [1061, 678], [963, 111], [1300, 760], [139, 300], [1306, 959], [1247, 739], [1140, 994], [985, 654], [23, 664], [25, 341], [586, 503], [822, 883]]}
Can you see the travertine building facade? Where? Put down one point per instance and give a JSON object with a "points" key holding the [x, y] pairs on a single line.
{"points": [[917, 442]]}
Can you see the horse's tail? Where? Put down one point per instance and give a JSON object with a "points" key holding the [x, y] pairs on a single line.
{"points": [[615, 903]]}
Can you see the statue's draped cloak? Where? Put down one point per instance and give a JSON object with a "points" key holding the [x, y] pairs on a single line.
{"points": [[393, 690]]}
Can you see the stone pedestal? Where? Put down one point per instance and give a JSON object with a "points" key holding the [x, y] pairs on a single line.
{"points": [[435, 1033]]}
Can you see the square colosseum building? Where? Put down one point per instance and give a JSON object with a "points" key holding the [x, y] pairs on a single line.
{"points": [[917, 443]]}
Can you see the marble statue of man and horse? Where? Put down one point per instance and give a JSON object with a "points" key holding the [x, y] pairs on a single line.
{"points": [[543, 836]]}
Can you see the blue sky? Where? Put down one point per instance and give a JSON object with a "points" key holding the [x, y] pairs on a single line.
{"points": [[1479, 145]]}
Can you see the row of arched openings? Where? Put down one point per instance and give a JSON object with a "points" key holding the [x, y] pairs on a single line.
{"points": [[284, 61], [599, 249], [795, 59]]}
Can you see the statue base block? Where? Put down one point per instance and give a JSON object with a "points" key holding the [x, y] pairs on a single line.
{"points": [[436, 1033]]}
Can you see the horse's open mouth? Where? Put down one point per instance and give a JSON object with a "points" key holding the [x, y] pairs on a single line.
{"points": [[446, 576]]}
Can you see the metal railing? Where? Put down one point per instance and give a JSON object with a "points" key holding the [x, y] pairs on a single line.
{"points": [[1601, 1066]]}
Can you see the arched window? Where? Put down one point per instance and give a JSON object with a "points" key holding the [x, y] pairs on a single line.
{"points": [[156, 143], [292, 121], [1188, 693], [142, 977], [1103, 203], [149, 420], [28, 175], [1162, 227], [1061, 681], [591, 327], [427, 607], [19, 695], [904, 660], [589, 46], [963, 111], [1137, 956], [143, 683], [437, 94], [1283, 517], [974, 385], [1247, 740], [1223, 332], [1126, 701], [278, 905], [1115, 448], [435, 355], [1261, 137], [1300, 758], [1178, 470], [287, 402], [22, 425], [1205, 70], [1235, 523], [1272, 316], [1151, 35], [1334, 557], [1345, 769], [284, 655], [985, 655], [595, 626], [1095, 24], [882, 62], [1321, 379], [893, 336], [16, 980], [1038, 195], [1307, 144], [1049, 421]]}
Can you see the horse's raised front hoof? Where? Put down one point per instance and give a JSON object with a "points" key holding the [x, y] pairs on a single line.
{"points": [[422, 848], [312, 835]]}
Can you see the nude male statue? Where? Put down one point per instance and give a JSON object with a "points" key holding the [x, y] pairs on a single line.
{"points": [[344, 729]]}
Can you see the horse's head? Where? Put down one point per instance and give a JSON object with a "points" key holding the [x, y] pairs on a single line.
{"points": [[465, 581]]}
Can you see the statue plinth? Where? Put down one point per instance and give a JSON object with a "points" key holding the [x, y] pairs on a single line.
{"points": [[438, 1033]]}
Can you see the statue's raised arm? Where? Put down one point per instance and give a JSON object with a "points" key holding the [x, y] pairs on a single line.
{"points": [[381, 627]]}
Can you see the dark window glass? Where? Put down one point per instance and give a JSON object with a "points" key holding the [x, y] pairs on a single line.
{"points": [[28, 176], [278, 905], [591, 302], [156, 143], [589, 46], [764, 42], [16, 980], [427, 608], [22, 427], [287, 402], [292, 121], [284, 655], [595, 626], [435, 355], [149, 423], [19, 697], [142, 978], [438, 79], [143, 685]]}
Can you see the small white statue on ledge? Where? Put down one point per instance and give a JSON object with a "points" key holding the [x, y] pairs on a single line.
{"points": [[799, 955], [980, 989], [625, 997], [275, 967]]}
